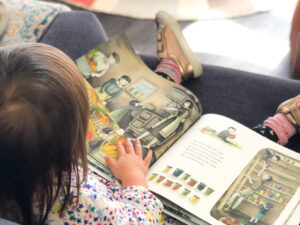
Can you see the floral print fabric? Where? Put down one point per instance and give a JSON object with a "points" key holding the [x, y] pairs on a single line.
{"points": [[104, 202]]}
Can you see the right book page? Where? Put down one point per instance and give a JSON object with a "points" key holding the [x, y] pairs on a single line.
{"points": [[225, 173]]}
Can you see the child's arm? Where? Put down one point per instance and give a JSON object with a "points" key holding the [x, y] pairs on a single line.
{"points": [[108, 203], [141, 205]]}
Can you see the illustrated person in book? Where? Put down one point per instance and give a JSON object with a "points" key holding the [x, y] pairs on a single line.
{"points": [[168, 126], [106, 134], [105, 128], [268, 154], [98, 65], [263, 209], [101, 122], [227, 135], [123, 115], [112, 88], [243, 194]]}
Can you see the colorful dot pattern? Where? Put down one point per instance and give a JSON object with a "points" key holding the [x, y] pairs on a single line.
{"points": [[107, 203]]}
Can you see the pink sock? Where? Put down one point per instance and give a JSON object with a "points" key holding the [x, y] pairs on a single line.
{"points": [[170, 68], [281, 126]]}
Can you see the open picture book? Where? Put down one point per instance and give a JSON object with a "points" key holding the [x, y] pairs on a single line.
{"points": [[206, 169]]}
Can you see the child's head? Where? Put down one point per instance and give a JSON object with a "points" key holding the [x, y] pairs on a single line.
{"points": [[43, 122]]}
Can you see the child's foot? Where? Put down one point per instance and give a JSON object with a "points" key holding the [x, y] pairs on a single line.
{"points": [[285, 123], [172, 45], [291, 109]]}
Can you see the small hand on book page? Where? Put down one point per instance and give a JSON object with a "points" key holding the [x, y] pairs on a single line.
{"points": [[130, 167]]}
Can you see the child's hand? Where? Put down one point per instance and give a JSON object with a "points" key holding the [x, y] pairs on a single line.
{"points": [[130, 167]]}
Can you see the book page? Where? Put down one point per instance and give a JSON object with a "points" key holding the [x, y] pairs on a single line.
{"points": [[225, 173], [295, 216], [128, 100]]}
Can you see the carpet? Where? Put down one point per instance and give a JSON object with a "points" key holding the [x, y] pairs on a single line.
{"points": [[180, 9]]}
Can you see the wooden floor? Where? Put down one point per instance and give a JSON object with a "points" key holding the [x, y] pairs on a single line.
{"points": [[257, 43]]}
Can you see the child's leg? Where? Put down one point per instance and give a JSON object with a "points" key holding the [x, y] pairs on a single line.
{"points": [[266, 132], [177, 61], [284, 124]]}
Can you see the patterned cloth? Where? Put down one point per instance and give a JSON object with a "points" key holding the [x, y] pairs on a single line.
{"points": [[103, 202], [28, 19], [266, 132]]}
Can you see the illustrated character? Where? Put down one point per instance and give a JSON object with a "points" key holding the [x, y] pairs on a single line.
{"points": [[98, 65], [263, 209], [103, 126], [122, 115], [107, 134], [227, 135], [268, 154], [168, 126], [246, 192], [112, 88]]}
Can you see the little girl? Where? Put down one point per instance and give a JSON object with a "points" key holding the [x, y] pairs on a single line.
{"points": [[43, 164]]}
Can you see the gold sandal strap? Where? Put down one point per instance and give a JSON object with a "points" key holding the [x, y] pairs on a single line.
{"points": [[295, 113]]}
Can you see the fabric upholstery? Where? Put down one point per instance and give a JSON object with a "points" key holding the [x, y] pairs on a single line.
{"points": [[74, 33]]}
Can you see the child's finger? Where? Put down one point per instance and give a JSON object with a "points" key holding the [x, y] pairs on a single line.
{"points": [[120, 149], [148, 158], [138, 148], [128, 146], [110, 162]]}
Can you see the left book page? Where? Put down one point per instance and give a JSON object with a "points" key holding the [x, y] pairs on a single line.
{"points": [[127, 99]]}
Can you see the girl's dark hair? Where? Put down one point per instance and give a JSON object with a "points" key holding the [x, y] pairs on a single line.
{"points": [[43, 121]]}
